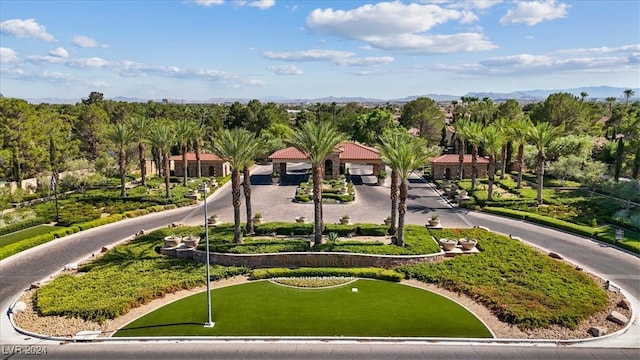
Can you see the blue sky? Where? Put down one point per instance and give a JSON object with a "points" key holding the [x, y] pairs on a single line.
{"points": [[197, 50]]}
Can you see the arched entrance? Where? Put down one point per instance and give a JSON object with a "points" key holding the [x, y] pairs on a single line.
{"points": [[328, 168], [447, 173], [212, 171]]}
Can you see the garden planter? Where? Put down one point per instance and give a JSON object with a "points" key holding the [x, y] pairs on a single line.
{"points": [[191, 241], [448, 244], [212, 220], [434, 222], [301, 219], [275, 180], [345, 221], [387, 222], [257, 220], [172, 241], [467, 244]]}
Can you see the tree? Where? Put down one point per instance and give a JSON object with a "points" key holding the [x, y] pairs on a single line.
{"points": [[583, 95], [252, 151], [619, 158], [566, 167], [518, 132], [628, 94], [610, 101], [461, 127], [366, 128], [403, 156], [122, 135], [91, 130], [492, 140], [541, 135], [232, 146], [503, 124], [424, 114], [393, 137], [140, 126], [185, 129], [565, 111], [162, 137], [473, 135], [317, 141], [95, 97]]}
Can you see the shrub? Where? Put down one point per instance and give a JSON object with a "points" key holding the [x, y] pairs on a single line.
{"points": [[25, 224], [370, 273]]}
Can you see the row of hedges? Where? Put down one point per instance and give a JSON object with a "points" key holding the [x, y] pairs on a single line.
{"points": [[22, 225], [369, 273], [286, 229]]}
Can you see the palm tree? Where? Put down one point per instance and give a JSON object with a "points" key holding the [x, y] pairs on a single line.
{"points": [[473, 135], [122, 135], [519, 132], [493, 139], [198, 135], [583, 95], [162, 137], [460, 126], [504, 125], [541, 136], [140, 126], [610, 101], [317, 141], [393, 137], [231, 145], [185, 129], [403, 156], [253, 149], [628, 94]]}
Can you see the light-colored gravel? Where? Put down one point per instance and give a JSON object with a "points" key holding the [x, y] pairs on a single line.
{"points": [[68, 327]]}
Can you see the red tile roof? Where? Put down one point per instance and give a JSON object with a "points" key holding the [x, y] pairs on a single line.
{"points": [[348, 151], [192, 157], [454, 158]]}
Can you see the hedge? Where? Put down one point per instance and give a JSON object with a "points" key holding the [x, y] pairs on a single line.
{"points": [[22, 225], [369, 273], [516, 214], [563, 225]]}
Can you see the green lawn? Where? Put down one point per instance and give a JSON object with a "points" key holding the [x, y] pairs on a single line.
{"points": [[261, 308], [25, 234]]}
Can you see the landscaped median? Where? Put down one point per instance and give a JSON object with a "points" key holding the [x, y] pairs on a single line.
{"points": [[630, 240], [520, 285]]}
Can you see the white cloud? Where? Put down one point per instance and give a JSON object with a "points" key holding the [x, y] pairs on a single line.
{"points": [[25, 29], [82, 63], [601, 50], [533, 12], [399, 27], [343, 58], [59, 52], [262, 4], [286, 70], [86, 42], [207, 3], [8, 56]]}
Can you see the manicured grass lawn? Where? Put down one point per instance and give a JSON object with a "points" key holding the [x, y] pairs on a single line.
{"points": [[26, 233], [261, 308]]}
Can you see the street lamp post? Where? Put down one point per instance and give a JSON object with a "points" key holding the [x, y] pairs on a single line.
{"points": [[209, 323]]}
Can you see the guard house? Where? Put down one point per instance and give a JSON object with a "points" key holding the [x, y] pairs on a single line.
{"points": [[334, 165], [210, 165], [446, 166]]}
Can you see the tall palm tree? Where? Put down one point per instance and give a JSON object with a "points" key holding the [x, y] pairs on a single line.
{"points": [[504, 125], [393, 137], [252, 150], [317, 141], [519, 132], [198, 136], [231, 145], [493, 139], [473, 135], [140, 126], [583, 95], [628, 94], [185, 130], [610, 101], [121, 134], [404, 156], [162, 137], [541, 135], [460, 126]]}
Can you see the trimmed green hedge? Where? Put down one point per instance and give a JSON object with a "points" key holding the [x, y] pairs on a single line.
{"points": [[369, 273], [563, 225], [22, 225]]}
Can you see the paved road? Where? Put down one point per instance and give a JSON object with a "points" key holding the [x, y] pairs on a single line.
{"points": [[317, 351], [275, 203]]}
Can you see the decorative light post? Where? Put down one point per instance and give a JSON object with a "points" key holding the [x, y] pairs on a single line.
{"points": [[209, 323]]}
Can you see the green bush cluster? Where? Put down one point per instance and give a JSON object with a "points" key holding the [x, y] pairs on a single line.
{"points": [[124, 278], [519, 284], [25, 224], [369, 273], [283, 228], [260, 246]]}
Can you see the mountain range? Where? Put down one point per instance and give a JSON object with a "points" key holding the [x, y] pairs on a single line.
{"points": [[594, 93]]}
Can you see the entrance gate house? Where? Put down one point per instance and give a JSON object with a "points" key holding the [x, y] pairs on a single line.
{"points": [[447, 166], [210, 165], [334, 165]]}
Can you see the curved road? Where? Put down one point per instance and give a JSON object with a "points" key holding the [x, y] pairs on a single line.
{"points": [[275, 203]]}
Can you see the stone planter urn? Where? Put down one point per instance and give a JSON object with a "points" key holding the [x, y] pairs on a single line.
{"points": [[467, 244], [387, 221], [257, 219], [301, 219], [213, 220], [434, 221], [191, 241], [448, 244], [172, 241], [345, 220]]}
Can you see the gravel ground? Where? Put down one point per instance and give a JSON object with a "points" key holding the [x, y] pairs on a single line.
{"points": [[68, 327]]}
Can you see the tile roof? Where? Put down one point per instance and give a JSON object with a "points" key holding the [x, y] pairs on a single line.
{"points": [[348, 151], [191, 156], [454, 158]]}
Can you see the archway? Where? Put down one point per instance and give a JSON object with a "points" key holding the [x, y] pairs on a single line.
{"points": [[328, 168], [212, 171], [447, 173]]}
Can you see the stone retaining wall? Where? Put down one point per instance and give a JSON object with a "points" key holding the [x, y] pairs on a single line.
{"points": [[296, 260]]}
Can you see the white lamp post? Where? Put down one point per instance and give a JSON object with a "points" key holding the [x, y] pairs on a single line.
{"points": [[209, 323]]}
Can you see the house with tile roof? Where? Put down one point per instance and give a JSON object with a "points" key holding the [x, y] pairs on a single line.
{"points": [[334, 165], [446, 166], [210, 165]]}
